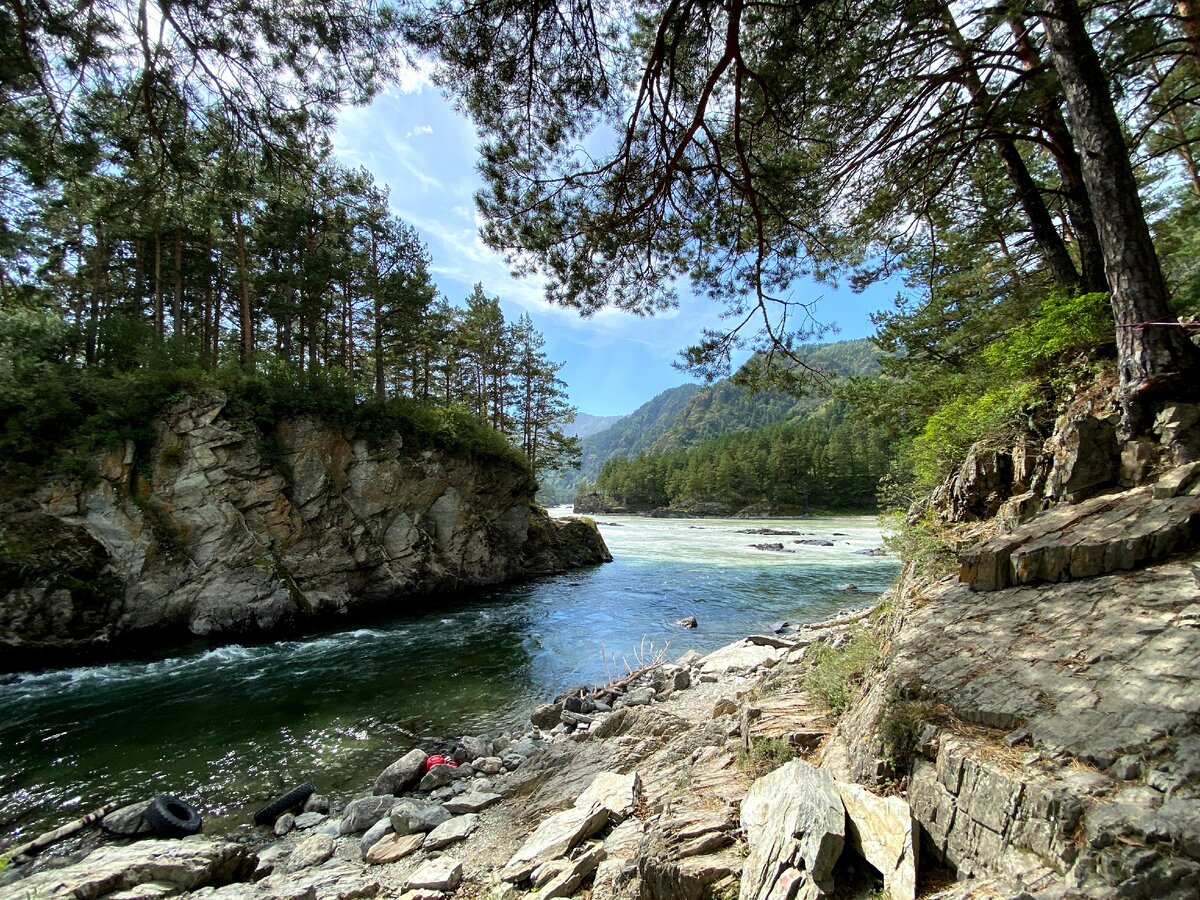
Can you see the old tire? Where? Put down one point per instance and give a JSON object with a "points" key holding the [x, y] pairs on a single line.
{"points": [[289, 801], [168, 816]]}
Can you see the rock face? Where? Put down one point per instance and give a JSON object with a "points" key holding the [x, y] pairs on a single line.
{"points": [[881, 830], [180, 865], [214, 530], [1108, 533], [553, 838], [795, 826], [1075, 759]]}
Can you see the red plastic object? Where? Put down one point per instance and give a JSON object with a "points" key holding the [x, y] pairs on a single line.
{"points": [[438, 760]]}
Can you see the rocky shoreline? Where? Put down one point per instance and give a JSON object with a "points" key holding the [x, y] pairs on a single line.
{"points": [[1027, 726], [512, 810]]}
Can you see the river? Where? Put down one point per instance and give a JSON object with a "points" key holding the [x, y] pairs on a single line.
{"points": [[229, 728]]}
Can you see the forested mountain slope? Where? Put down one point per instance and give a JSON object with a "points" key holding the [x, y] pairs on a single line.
{"points": [[663, 432], [631, 435], [725, 407], [586, 425]]}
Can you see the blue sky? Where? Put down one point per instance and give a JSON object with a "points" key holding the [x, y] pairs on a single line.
{"points": [[414, 142]]}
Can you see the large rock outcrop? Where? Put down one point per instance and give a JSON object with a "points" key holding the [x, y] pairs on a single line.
{"points": [[216, 531], [1042, 705]]}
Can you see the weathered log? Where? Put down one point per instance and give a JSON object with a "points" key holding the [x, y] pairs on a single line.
{"points": [[53, 837]]}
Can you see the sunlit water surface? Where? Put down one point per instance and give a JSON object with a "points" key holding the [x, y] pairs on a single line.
{"points": [[228, 728]]}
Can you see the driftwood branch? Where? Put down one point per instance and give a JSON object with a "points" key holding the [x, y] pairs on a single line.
{"points": [[15, 854]]}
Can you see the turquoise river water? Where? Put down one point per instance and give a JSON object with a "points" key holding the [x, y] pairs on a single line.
{"points": [[229, 728]]}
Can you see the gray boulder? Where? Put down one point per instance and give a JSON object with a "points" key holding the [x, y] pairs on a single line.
{"points": [[450, 832], [393, 848], [317, 803], [476, 747], [128, 821], [361, 814], [472, 802], [795, 827], [553, 838], [312, 851], [441, 775], [410, 816], [640, 697], [402, 774], [489, 765], [441, 874], [546, 715], [375, 834], [180, 865], [309, 820]]}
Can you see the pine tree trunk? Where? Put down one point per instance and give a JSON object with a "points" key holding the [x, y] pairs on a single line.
{"points": [[1070, 169], [139, 275], [380, 384], [245, 320], [177, 298], [345, 353], [159, 324], [216, 329], [93, 320], [1153, 359], [1029, 196], [1191, 27]]}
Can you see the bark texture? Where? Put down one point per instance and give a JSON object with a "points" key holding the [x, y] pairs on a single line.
{"points": [[1153, 358]]}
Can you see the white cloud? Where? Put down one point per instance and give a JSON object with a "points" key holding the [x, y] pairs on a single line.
{"points": [[418, 131], [412, 78]]}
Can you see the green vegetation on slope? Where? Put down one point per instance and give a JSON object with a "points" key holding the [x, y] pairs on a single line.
{"points": [[56, 414], [935, 403], [690, 415], [735, 444]]}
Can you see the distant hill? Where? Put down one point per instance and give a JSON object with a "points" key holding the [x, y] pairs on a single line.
{"points": [[629, 436], [691, 414], [724, 408], [637, 431], [586, 425]]}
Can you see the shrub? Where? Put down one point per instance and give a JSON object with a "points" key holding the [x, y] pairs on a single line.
{"points": [[919, 542], [899, 729], [835, 675], [999, 391], [765, 755], [171, 457], [996, 415], [1061, 325]]}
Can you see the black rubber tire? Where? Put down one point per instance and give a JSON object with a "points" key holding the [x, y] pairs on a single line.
{"points": [[168, 816], [293, 799]]}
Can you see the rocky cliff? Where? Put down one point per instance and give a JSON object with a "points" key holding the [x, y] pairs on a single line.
{"points": [[1040, 705], [215, 532]]}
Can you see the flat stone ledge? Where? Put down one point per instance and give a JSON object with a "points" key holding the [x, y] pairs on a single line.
{"points": [[1111, 533]]}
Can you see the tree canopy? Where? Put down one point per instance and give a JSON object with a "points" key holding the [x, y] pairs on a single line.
{"points": [[741, 145], [169, 196]]}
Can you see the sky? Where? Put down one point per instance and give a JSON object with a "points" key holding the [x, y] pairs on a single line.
{"points": [[413, 141]]}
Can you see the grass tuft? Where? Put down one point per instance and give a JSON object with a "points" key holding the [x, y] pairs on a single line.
{"points": [[836, 674]]}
